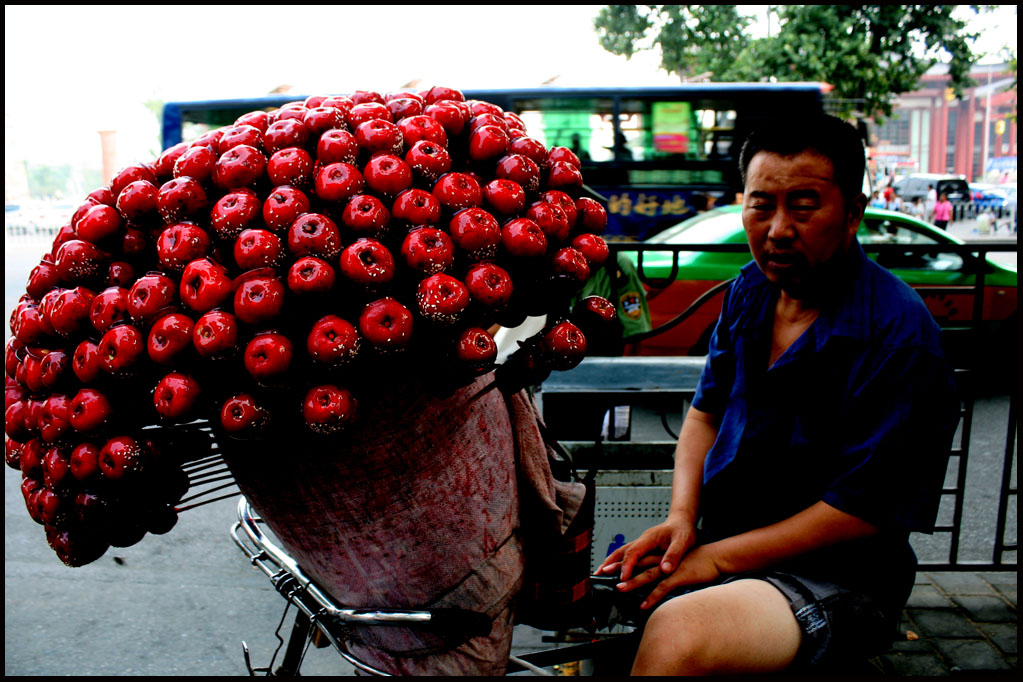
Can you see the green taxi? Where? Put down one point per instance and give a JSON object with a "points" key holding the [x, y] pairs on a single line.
{"points": [[698, 272]]}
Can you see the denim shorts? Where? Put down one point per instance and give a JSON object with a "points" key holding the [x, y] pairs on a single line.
{"points": [[839, 625]]}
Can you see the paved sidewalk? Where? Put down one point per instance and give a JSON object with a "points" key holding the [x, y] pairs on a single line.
{"points": [[956, 623]]}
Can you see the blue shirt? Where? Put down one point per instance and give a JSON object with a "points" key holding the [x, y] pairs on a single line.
{"points": [[859, 412]]}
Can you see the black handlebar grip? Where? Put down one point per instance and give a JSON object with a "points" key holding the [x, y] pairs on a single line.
{"points": [[461, 623]]}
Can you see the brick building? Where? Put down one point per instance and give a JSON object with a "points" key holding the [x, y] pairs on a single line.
{"points": [[931, 131]]}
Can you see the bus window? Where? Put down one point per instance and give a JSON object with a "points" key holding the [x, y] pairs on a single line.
{"points": [[717, 132], [192, 130], [583, 125], [203, 121], [676, 130]]}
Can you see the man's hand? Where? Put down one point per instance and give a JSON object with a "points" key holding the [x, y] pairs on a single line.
{"points": [[672, 537], [659, 550], [698, 567], [817, 526]]}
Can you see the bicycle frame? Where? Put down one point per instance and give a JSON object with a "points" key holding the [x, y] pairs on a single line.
{"points": [[317, 611], [321, 612]]}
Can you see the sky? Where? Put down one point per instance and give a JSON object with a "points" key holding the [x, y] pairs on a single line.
{"points": [[73, 70], [105, 60]]}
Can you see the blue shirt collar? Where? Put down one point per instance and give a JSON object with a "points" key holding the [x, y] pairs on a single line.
{"points": [[846, 315]]}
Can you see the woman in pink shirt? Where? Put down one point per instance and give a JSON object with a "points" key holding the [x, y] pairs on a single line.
{"points": [[942, 212]]}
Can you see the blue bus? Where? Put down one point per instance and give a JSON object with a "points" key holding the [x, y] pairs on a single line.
{"points": [[655, 155]]}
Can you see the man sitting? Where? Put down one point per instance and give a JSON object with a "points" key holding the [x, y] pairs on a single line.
{"points": [[816, 442]]}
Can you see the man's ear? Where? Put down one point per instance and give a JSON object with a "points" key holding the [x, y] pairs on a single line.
{"points": [[855, 210]]}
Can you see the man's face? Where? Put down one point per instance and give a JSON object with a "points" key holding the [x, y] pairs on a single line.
{"points": [[795, 217]]}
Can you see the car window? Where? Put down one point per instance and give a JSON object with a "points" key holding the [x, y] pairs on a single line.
{"points": [[879, 230], [955, 190], [708, 228]]}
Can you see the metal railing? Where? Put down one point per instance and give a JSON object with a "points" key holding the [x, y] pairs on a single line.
{"points": [[974, 256], [31, 232], [969, 211]]}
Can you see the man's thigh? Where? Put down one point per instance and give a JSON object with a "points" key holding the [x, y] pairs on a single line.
{"points": [[740, 626]]}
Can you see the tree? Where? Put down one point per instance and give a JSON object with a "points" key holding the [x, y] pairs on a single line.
{"points": [[48, 182], [694, 39], [869, 53]]}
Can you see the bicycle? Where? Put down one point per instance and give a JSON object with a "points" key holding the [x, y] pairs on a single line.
{"points": [[323, 622]]}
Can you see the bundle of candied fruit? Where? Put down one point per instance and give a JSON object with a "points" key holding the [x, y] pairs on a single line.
{"points": [[273, 274]]}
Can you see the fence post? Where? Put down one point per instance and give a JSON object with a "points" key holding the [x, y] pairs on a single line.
{"points": [[1006, 490]]}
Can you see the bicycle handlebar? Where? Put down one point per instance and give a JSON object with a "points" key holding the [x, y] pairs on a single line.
{"points": [[289, 579], [455, 625]]}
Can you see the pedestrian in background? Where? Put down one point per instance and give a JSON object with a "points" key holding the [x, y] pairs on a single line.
{"points": [[932, 200], [916, 208], [942, 212], [895, 202], [985, 221]]}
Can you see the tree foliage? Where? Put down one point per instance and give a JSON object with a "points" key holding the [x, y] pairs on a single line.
{"points": [[869, 53], [48, 182], [694, 39]]}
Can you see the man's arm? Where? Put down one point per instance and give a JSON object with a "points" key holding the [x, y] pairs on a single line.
{"points": [[813, 528], [677, 534]]}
